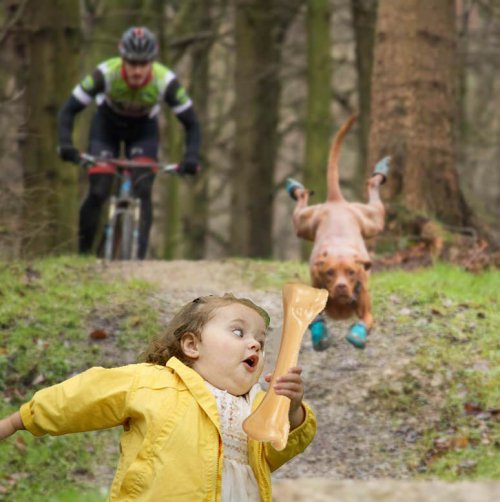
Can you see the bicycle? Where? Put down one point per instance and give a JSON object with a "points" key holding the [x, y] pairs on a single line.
{"points": [[121, 232]]}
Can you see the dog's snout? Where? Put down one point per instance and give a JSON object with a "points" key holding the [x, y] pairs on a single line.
{"points": [[341, 287]]}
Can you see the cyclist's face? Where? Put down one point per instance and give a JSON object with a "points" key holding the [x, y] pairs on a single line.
{"points": [[137, 72]]}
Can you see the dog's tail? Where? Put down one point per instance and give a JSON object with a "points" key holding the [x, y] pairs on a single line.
{"points": [[332, 178]]}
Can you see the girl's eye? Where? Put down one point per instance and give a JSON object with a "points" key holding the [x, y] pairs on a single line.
{"points": [[238, 332]]}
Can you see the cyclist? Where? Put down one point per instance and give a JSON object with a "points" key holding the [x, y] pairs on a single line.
{"points": [[128, 91]]}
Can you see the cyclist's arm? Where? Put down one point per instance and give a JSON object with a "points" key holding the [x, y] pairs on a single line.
{"points": [[82, 95], [182, 106]]}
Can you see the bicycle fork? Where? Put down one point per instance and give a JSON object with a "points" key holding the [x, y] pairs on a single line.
{"points": [[136, 211], [133, 210], [109, 230]]}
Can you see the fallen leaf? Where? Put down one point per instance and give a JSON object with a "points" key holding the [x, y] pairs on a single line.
{"points": [[20, 444], [98, 334], [443, 444], [460, 442], [38, 379], [472, 408]]}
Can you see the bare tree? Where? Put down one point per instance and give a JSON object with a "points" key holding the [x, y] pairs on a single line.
{"points": [[318, 128], [47, 40], [364, 14], [260, 28], [413, 106]]}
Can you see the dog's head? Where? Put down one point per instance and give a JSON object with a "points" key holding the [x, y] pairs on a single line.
{"points": [[342, 276]]}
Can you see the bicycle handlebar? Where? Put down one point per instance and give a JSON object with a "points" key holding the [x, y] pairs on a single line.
{"points": [[87, 160]]}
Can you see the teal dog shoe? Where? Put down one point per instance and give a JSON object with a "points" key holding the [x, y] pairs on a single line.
{"points": [[357, 335], [382, 167], [319, 334], [291, 185]]}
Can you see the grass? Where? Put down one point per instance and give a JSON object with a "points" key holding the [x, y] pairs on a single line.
{"points": [[49, 307], [452, 384], [47, 311]]}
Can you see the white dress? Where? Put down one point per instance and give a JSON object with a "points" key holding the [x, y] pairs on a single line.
{"points": [[238, 480]]}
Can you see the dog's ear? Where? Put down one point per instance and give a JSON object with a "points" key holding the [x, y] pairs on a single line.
{"points": [[367, 264]]}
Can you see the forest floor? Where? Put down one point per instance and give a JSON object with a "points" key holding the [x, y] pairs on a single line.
{"points": [[360, 436]]}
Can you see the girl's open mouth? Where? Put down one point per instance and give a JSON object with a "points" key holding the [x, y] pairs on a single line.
{"points": [[251, 362]]}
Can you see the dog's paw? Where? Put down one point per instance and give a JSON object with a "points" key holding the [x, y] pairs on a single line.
{"points": [[320, 337], [357, 335], [380, 172], [293, 187]]}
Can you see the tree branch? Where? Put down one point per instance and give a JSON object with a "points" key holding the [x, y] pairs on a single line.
{"points": [[15, 18]]}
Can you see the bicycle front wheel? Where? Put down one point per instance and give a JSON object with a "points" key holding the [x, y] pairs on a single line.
{"points": [[127, 235]]}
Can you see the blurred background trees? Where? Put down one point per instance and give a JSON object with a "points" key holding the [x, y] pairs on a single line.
{"points": [[271, 81]]}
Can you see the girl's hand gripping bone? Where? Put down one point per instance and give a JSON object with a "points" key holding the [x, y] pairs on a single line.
{"points": [[269, 422]]}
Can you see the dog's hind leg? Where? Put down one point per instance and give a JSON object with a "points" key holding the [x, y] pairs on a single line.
{"points": [[372, 214], [304, 217]]}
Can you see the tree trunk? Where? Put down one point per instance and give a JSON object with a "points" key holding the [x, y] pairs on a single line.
{"points": [[196, 208], [413, 106], [318, 119], [12, 132], [260, 27], [364, 14], [49, 45], [172, 223]]}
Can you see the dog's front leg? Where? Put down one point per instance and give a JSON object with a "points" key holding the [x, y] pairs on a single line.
{"points": [[364, 310]]}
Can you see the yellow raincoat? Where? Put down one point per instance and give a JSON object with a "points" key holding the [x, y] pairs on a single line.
{"points": [[171, 447]]}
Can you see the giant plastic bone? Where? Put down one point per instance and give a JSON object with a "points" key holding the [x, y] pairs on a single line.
{"points": [[269, 422]]}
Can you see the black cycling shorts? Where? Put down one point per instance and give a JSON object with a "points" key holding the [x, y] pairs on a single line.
{"points": [[109, 131]]}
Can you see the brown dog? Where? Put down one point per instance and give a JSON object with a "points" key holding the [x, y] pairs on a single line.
{"points": [[339, 260]]}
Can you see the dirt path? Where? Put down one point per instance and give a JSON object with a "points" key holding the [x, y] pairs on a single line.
{"points": [[355, 438]]}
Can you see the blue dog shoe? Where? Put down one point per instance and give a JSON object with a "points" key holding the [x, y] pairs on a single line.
{"points": [[382, 167], [291, 185], [357, 335], [319, 334]]}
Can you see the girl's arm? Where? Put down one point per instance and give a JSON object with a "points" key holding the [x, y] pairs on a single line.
{"points": [[10, 424], [95, 399]]}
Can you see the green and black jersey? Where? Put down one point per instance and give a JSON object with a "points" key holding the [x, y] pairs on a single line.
{"points": [[106, 84]]}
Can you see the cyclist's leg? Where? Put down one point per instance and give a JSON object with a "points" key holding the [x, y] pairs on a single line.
{"points": [[100, 185], [143, 187], [144, 146], [101, 144]]}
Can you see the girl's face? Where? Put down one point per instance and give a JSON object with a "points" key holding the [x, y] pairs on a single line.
{"points": [[230, 354]]}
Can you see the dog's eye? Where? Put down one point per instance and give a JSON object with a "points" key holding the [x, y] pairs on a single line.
{"points": [[350, 272]]}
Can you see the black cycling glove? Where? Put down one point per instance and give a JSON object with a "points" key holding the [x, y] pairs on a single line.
{"points": [[69, 153], [189, 167]]}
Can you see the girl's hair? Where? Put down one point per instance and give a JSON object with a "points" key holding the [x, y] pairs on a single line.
{"points": [[191, 319]]}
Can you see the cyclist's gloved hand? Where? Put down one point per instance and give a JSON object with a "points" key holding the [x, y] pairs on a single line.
{"points": [[189, 167], [69, 153]]}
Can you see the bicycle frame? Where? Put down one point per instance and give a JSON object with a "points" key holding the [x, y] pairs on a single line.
{"points": [[121, 233], [128, 209]]}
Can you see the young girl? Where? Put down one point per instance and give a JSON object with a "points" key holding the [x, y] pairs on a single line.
{"points": [[181, 410]]}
